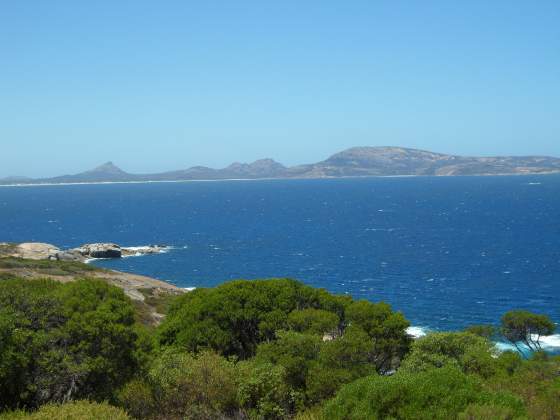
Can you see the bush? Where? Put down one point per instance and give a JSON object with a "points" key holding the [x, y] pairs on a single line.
{"points": [[339, 362], [484, 331], [536, 382], [137, 398], [490, 412], [264, 392], [434, 394], [48, 267], [191, 386], [466, 351], [235, 317], [78, 410], [313, 321], [387, 331], [63, 341], [294, 352]]}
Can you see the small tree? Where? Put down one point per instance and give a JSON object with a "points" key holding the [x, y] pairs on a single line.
{"points": [[527, 328], [484, 331]]}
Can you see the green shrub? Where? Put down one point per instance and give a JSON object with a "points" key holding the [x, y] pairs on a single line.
{"points": [[63, 341], [192, 386], [293, 351], [466, 351], [264, 392], [137, 398], [339, 362], [313, 321], [536, 382], [386, 329], [49, 267], [490, 412], [434, 394], [78, 410], [235, 317]]}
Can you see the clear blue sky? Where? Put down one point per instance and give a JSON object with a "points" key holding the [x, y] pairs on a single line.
{"points": [[156, 85]]}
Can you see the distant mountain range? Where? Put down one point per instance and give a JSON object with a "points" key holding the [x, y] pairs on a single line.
{"points": [[354, 162]]}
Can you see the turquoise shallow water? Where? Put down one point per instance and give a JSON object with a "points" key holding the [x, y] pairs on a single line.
{"points": [[448, 252]]}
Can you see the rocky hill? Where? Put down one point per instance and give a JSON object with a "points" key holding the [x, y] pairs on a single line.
{"points": [[392, 161], [354, 162]]}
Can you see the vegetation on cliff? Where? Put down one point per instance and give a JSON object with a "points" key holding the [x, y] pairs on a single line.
{"points": [[265, 349]]}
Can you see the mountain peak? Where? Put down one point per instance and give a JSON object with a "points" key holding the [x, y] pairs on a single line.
{"points": [[107, 168], [267, 162]]}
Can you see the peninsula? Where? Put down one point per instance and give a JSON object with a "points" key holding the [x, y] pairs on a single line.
{"points": [[354, 162]]}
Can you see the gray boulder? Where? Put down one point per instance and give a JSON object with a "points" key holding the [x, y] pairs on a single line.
{"points": [[70, 255], [100, 250]]}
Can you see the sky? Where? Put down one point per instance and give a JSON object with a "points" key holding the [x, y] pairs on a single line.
{"points": [[162, 85]]}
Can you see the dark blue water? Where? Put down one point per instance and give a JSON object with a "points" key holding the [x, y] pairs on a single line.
{"points": [[448, 252]]}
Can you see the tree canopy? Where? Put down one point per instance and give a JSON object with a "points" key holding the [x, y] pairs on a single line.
{"points": [[63, 341], [526, 328], [267, 349], [432, 394], [235, 317]]}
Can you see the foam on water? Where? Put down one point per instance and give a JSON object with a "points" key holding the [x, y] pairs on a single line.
{"points": [[416, 332], [550, 343], [90, 260], [139, 249]]}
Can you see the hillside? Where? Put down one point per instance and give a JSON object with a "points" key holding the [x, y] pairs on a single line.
{"points": [[354, 162]]}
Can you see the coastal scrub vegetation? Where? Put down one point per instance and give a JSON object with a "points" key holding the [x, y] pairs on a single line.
{"points": [[47, 267], [263, 349]]}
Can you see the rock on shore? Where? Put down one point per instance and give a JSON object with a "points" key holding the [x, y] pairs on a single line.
{"points": [[32, 250], [100, 250], [44, 251]]}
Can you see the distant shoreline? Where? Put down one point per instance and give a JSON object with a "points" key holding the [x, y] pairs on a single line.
{"points": [[52, 184], [356, 162]]}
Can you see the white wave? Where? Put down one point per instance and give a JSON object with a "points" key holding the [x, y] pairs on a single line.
{"points": [[89, 260], [548, 342], [147, 247], [135, 248], [144, 250], [416, 332], [188, 289]]}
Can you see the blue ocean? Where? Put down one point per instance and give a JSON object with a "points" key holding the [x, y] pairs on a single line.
{"points": [[446, 251]]}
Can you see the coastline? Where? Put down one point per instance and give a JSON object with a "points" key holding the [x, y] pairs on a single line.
{"points": [[54, 184]]}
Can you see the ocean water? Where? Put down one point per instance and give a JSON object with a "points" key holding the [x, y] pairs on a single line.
{"points": [[447, 252]]}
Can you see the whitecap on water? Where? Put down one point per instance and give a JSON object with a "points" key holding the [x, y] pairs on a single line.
{"points": [[140, 251], [548, 342], [416, 332]]}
